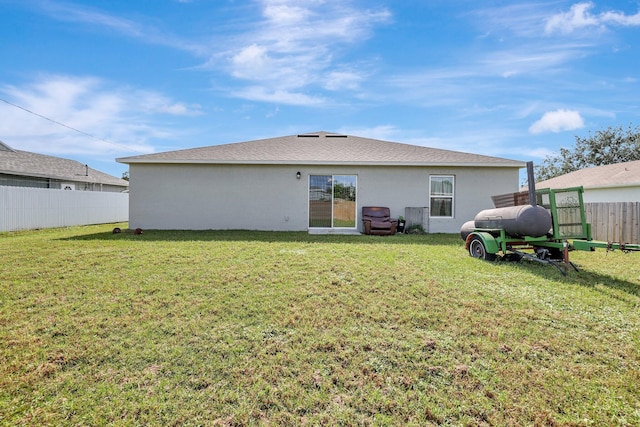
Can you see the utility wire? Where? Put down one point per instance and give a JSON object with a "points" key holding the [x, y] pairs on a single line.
{"points": [[69, 127]]}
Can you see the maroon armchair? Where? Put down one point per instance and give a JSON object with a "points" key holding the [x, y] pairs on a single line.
{"points": [[377, 220]]}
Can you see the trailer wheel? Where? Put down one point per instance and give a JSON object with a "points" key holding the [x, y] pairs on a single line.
{"points": [[478, 250]]}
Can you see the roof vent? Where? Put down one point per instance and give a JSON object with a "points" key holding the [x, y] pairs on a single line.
{"points": [[309, 135], [335, 136]]}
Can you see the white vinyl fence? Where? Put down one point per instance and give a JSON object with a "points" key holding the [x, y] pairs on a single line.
{"points": [[30, 208]]}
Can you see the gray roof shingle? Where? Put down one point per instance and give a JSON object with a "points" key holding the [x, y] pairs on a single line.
{"points": [[616, 175], [24, 163], [323, 148]]}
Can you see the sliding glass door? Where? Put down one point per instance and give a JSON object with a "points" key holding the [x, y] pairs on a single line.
{"points": [[320, 201], [344, 201], [332, 201]]}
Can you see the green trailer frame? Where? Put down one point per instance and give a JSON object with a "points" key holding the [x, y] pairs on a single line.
{"points": [[570, 231]]}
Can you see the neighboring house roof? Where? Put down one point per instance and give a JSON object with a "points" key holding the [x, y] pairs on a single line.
{"points": [[24, 163], [323, 148], [617, 175]]}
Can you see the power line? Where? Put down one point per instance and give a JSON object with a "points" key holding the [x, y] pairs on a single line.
{"points": [[69, 127]]}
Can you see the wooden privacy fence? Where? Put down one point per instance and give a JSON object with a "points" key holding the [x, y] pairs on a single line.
{"points": [[614, 222], [23, 208]]}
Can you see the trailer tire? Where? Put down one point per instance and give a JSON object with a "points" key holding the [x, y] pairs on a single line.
{"points": [[477, 249]]}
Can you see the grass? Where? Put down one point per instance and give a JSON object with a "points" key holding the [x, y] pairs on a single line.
{"points": [[255, 328]]}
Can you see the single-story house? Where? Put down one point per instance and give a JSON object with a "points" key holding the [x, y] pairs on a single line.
{"points": [[26, 169], [619, 182], [314, 181]]}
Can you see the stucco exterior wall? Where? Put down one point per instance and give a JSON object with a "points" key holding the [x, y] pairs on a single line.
{"points": [[258, 197], [611, 194]]}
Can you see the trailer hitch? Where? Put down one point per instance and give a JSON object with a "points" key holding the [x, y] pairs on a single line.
{"points": [[543, 256]]}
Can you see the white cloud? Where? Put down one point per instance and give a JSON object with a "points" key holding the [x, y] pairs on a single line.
{"points": [[278, 96], [57, 112], [535, 59], [538, 152], [128, 27], [284, 13], [557, 121], [621, 19], [288, 48], [296, 46], [520, 19], [338, 80], [382, 132], [579, 16], [516, 30], [180, 109], [251, 62]]}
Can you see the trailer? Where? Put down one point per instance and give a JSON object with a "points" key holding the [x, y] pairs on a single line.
{"points": [[502, 233]]}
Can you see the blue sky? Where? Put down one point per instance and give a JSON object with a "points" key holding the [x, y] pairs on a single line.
{"points": [[503, 78]]}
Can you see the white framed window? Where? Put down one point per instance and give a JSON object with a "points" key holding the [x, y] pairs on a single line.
{"points": [[441, 196]]}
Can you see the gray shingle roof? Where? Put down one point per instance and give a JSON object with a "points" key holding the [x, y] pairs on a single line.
{"points": [[616, 175], [24, 163], [323, 148]]}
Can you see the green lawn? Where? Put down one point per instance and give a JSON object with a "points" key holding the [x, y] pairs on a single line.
{"points": [[256, 328]]}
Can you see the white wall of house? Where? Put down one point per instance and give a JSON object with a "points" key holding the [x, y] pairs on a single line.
{"points": [[269, 197], [611, 194]]}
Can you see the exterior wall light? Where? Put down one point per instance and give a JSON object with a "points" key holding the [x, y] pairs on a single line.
{"points": [[298, 175]]}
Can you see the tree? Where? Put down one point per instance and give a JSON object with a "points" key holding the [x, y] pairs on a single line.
{"points": [[125, 175], [604, 147]]}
